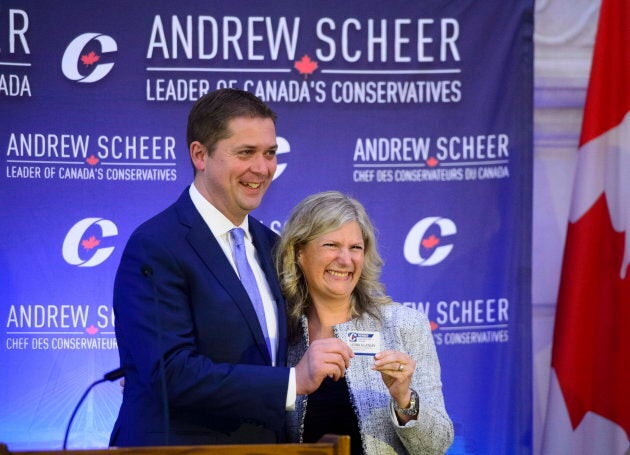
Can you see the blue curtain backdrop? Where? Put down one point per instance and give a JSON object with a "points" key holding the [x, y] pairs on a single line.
{"points": [[422, 110]]}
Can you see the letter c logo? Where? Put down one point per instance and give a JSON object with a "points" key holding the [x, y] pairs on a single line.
{"points": [[412, 251], [72, 242], [69, 63]]}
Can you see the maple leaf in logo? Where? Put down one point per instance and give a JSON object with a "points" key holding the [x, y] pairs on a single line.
{"points": [[90, 243], [92, 160], [305, 66], [90, 59], [433, 325], [91, 330], [430, 242], [432, 162]]}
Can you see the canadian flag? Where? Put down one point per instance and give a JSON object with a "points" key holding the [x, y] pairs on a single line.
{"points": [[588, 410]]}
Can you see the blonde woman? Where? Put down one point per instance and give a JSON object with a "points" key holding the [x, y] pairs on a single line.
{"points": [[329, 269]]}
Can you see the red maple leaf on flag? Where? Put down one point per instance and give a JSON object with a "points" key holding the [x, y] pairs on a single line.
{"points": [[90, 58], [90, 243], [430, 242], [305, 66]]}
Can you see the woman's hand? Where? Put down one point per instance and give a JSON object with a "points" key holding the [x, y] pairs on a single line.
{"points": [[396, 370]]}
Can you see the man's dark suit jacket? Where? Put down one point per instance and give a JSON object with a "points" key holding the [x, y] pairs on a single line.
{"points": [[221, 386]]}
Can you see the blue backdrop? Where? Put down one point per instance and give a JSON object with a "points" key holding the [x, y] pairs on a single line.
{"points": [[421, 110]]}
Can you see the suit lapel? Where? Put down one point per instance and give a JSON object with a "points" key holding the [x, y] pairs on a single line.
{"points": [[263, 246], [203, 242]]}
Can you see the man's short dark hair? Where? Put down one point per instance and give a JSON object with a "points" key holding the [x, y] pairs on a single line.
{"points": [[209, 117]]}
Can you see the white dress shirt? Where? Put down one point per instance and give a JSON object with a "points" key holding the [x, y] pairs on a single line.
{"points": [[221, 227]]}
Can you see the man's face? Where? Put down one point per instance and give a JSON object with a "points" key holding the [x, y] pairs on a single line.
{"points": [[236, 175]]}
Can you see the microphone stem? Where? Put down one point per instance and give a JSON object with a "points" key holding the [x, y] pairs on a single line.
{"points": [[76, 408]]}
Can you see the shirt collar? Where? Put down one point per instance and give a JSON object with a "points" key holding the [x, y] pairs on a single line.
{"points": [[216, 221]]}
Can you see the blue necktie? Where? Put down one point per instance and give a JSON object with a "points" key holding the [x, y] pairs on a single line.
{"points": [[248, 279]]}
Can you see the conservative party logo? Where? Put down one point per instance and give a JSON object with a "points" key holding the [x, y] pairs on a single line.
{"points": [[83, 59], [83, 247], [427, 241]]}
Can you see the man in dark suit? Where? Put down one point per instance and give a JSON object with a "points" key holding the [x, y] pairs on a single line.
{"points": [[201, 365]]}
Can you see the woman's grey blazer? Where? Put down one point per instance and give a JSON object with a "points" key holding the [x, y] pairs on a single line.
{"points": [[402, 329]]}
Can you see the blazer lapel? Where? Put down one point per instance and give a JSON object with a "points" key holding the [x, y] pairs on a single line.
{"points": [[261, 241], [203, 242]]}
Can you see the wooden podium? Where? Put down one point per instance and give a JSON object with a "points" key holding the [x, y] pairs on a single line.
{"points": [[327, 445]]}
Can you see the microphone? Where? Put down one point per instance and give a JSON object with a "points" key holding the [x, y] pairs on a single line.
{"points": [[111, 376], [147, 271]]}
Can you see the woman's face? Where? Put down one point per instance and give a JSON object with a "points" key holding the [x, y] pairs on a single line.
{"points": [[332, 264]]}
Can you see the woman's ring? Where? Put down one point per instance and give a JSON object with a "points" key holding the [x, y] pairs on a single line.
{"points": [[401, 367]]}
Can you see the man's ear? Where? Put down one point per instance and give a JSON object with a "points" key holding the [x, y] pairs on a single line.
{"points": [[198, 154]]}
